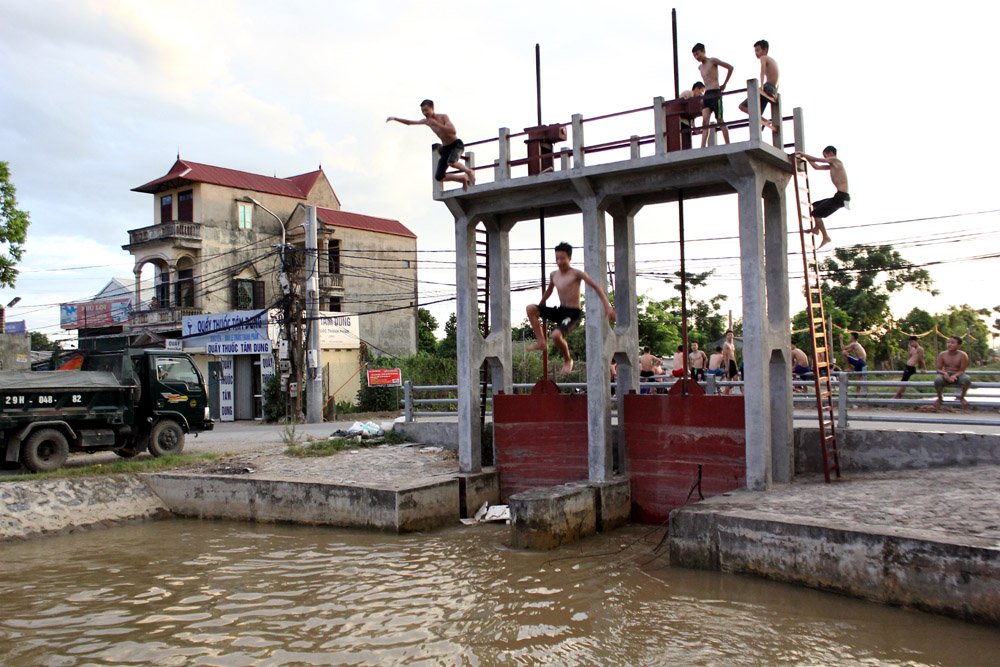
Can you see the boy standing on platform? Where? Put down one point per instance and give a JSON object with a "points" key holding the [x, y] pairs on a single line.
{"points": [[768, 79], [566, 281], [712, 99]]}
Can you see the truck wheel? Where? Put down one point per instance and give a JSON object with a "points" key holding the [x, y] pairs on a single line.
{"points": [[167, 438], [44, 450], [126, 453]]}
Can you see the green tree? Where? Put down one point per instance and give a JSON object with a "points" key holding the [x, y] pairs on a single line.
{"points": [[706, 323], [427, 324], [40, 341], [448, 346], [800, 323], [13, 228], [860, 280]]}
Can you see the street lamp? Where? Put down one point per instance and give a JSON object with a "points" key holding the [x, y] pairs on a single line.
{"points": [[250, 200], [3, 313]]}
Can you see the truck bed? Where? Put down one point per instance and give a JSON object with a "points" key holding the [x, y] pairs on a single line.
{"points": [[57, 380]]}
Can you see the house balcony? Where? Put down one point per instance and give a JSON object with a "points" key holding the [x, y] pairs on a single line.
{"points": [[331, 281], [177, 234], [161, 319]]}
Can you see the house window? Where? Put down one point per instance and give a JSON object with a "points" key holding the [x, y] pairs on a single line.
{"points": [[333, 254], [185, 206], [166, 208], [163, 291], [335, 305], [184, 288], [248, 294], [245, 215]]}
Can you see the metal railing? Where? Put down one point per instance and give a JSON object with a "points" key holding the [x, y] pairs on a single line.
{"points": [[612, 136], [855, 403]]}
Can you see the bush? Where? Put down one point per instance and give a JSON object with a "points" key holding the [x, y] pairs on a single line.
{"points": [[274, 400]]}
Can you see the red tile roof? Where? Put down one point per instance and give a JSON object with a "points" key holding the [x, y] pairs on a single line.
{"points": [[366, 222], [185, 171]]}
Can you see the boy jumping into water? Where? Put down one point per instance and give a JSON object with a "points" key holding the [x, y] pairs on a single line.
{"points": [[566, 281], [451, 149]]}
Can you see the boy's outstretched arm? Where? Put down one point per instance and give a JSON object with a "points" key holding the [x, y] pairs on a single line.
{"points": [[609, 310], [422, 121]]}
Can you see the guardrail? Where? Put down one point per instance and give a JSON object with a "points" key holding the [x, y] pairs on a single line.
{"points": [[852, 404], [495, 159]]}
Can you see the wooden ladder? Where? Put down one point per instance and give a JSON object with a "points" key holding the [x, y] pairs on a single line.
{"points": [[822, 364]]}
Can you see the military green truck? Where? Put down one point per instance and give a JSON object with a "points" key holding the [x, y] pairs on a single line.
{"points": [[127, 401]]}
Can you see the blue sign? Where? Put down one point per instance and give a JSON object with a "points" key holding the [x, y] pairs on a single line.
{"points": [[18, 327]]}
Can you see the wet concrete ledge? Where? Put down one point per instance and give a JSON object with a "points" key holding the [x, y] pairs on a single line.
{"points": [[31, 508], [420, 505], [947, 574], [547, 517]]}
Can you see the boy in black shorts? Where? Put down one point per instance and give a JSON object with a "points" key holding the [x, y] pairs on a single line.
{"points": [[566, 281]]}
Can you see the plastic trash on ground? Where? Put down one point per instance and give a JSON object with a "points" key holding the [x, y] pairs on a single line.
{"points": [[488, 514]]}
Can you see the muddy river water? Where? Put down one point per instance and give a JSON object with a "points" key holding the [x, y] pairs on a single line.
{"points": [[184, 592]]}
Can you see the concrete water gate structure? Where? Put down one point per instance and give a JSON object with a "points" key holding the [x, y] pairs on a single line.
{"points": [[665, 441]]}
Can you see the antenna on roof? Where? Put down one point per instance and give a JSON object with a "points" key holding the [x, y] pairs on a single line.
{"points": [[178, 152], [321, 165]]}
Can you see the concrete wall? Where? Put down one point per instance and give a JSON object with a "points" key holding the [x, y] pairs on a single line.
{"points": [[870, 450], [957, 580], [15, 352], [403, 509], [380, 274], [343, 369]]}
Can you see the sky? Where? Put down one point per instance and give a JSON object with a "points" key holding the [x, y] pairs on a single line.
{"points": [[98, 97]]}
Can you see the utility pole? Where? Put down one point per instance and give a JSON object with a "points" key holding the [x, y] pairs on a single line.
{"points": [[314, 390]]}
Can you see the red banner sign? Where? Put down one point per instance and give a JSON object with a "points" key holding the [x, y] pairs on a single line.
{"points": [[385, 377]]}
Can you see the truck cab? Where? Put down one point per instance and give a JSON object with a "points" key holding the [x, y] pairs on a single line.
{"points": [[126, 401]]}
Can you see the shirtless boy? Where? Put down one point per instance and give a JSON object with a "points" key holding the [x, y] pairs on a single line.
{"points": [[731, 370], [951, 365], [451, 149], [826, 207], [647, 362], [678, 366], [697, 361], [712, 99], [914, 359], [769, 78], [566, 281], [855, 353]]}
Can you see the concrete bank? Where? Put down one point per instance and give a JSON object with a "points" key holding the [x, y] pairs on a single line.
{"points": [[928, 539], [29, 508], [397, 488]]}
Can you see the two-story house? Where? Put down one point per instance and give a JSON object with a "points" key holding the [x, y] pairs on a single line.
{"points": [[215, 247]]}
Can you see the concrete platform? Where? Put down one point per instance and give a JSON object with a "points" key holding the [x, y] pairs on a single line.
{"points": [[547, 517], [928, 539], [421, 505]]}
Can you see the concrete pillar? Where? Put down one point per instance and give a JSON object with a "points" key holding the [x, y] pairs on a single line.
{"points": [[756, 351], [778, 327], [503, 163], [577, 141], [778, 137], [659, 126], [595, 261], [626, 343], [753, 108], [799, 129], [498, 346], [469, 342]]}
